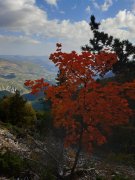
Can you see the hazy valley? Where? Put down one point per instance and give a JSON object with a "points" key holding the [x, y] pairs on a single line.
{"points": [[14, 70]]}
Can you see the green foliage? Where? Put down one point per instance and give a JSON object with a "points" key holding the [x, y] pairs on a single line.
{"points": [[16, 108], [120, 177], [11, 164], [47, 174], [44, 122], [29, 116], [17, 111], [17, 131]]}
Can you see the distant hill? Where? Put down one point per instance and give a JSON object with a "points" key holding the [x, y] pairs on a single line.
{"points": [[14, 70], [33, 97], [40, 60], [4, 93], [37, 101]]}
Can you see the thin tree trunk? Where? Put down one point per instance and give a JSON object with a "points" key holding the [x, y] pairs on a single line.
{"points": [[77, 155]]}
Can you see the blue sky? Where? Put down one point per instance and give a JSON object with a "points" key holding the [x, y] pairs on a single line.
{"points": [[32, 27], [75, 10]]}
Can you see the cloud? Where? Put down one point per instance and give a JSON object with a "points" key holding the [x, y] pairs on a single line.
{"points": [[18, 39], [31, 20], [133, 8], [22, 45], [21, 15], [122, 25], [103, 7], [51, 2], [96, 5], [28, 30], [26, 18], [88, 9], [106, 5]]}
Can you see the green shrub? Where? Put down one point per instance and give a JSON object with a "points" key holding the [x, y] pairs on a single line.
{"points": [[47, 174], [120, 177], [122, 158], [17, 111], [11, 164], [44, 122]]}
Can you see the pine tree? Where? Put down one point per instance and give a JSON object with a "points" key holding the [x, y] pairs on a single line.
{"points": [[17, 104], [124, 49]]}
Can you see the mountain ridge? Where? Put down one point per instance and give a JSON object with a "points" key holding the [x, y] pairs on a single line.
{"points": [[13, 73]]}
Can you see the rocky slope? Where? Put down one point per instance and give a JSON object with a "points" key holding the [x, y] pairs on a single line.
{"points": [[93, 169]]}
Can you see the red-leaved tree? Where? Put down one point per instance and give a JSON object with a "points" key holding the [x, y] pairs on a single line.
{"points": [[85, 108]]}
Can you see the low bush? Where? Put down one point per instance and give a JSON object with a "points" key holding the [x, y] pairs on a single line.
{"points": [[121, 158], [44, 122], [11, 165]]}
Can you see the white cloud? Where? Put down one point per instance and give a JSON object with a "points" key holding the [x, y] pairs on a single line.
{"points": [[30, 19], [38, 34], [24, 17], [51, 2], [106, 5], [21, 15], [96, 5], [18, 39], [88, 9], [133, 8], [103, 7], [23, 45], [122, 25]]}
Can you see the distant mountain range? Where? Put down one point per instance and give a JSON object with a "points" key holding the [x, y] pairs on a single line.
{"points": [[14, 70], [40, 60]]}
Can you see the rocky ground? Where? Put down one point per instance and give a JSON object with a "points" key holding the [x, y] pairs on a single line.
{"points": [[96, 167], [108, 171], [8, 141]]}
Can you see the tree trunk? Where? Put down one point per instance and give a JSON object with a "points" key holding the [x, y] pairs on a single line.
{"points": [[77, 155]]}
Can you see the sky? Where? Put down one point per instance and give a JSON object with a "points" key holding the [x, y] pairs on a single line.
{"points": [[33, 27]]}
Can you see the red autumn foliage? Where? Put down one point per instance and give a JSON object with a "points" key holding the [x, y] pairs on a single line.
{"points": [[87, 109]]}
